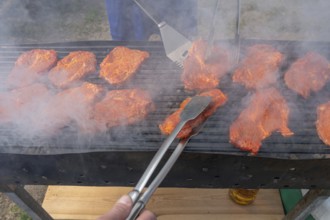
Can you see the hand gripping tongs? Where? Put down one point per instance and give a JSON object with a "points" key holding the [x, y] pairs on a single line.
{"points": [[175, 44], [194, 108]]}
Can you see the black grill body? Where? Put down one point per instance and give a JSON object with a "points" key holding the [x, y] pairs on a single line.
{"points": [[120, 156]]}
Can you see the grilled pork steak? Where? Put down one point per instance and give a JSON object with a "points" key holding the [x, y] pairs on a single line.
{"points": [[72, 68], [309, 73], [323, 122], [121, 107], [259, 67], [218, 99], [72, 104], [121, 64], [22, 102], [266, 113], [30, 66], [199, 74]]}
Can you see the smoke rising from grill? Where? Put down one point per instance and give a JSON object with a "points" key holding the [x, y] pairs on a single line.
{"points": [[57, 21]]}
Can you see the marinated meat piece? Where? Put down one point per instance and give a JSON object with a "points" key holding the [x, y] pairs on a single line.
{"points": [[30, 66], [21, 102], [201, 75], [121, 107], [70, 105], [266, 113], [72, 68], [218, 99], [323, 122], [309, 73], [259, 68], [121, 64]]}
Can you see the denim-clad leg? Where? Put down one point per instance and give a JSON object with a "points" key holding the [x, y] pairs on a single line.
{"points": [[143, 26], [128, 22], [115, 18]]}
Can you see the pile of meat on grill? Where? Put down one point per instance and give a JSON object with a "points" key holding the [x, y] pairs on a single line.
{"points": [[56, 92], [50, 94], [267, 110]]}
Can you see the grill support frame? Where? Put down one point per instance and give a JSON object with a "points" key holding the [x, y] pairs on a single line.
{"points": [[196, 168], [25, 201], [191, 170]]}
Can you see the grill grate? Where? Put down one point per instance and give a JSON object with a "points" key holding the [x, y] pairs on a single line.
{"points": [[162, 77]]}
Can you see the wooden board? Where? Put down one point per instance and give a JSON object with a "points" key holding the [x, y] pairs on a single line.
{"points": [[73, 202], [222, 216]]}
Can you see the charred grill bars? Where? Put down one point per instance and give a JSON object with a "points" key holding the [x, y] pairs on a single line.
{"points": [[50, 161]]}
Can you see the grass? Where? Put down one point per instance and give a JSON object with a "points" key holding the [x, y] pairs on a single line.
{"points": [[19, 213]]}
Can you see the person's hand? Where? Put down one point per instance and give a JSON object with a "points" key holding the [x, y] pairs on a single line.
{"points": [[122, 208]]}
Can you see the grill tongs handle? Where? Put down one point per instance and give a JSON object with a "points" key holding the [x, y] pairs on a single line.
{"points": [[194, 108]]}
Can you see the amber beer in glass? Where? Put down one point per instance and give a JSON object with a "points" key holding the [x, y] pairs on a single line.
{"points": [[243, 196]]}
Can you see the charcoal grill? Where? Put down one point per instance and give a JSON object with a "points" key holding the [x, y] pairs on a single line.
{"points": [[120, 156]]}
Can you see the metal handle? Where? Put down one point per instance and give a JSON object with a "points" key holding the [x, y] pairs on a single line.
{"points": [[237, 34], [238, 19], [164, 171], [169, 164], [136, 210], [135, 194], [194, 108], [210, 38], [152, 17], [140, 204]]}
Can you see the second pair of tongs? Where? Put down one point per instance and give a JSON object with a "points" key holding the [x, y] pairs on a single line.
{"points": [[194, 108], [210, 38]]}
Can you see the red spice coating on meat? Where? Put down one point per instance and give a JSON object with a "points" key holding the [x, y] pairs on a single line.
{"points": [[121, 64], [199, 74], [259, 67], [323, 122], [72, 68], [266, 113], [309, 73], [169, 124], [121, 107], [30, 66]]}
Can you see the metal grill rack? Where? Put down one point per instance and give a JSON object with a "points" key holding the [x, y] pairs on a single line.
{"points": [[162, 78], [112, 159]]}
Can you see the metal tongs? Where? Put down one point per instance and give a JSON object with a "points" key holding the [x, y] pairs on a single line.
{"points": [[237, 34], [210, 38], [194, 108], [175, 44]]}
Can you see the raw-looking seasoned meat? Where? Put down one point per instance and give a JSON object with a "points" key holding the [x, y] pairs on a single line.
{"points": [[266, 113], [70, 105], [259, 68], [218, 99], [21, 102], [323, 122], [121, 107], [72, 68], [199, 74], [121, 64], [309, 73], [30, 66]]}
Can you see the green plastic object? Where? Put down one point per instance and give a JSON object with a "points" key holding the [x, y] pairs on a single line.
{"points": [[290, 197]]}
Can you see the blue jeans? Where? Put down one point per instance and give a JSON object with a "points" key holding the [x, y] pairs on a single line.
{"points": [[128, 22]]}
